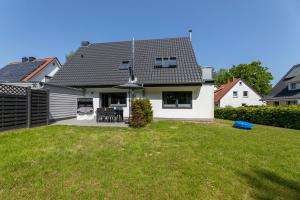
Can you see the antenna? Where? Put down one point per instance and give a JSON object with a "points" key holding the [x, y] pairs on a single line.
{"points": [[132, 65]]}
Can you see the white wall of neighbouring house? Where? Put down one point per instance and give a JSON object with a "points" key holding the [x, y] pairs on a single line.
{"points": [[49, 70], [253, 98], [202, 102]]}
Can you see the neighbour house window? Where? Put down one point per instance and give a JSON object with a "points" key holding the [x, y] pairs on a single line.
{"points": [[124, 65], [165, 62], [245, 94], [292, 103], [294, 86], [241, 83], [235, 94], [276, 103], [244, 104], [177, 99]]}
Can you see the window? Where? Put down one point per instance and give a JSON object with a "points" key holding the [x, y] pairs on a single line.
{"points": [[235, 94], [124, 65], [158, 62], [245, 94], [240, 83], [177, 99], [244, 104], [292, 103], [165, 62], [276, 103], [114, 99], [172, 62], [293, 86]]}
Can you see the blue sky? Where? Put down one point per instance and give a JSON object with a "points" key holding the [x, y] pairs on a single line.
{"points": [[225, 32]]}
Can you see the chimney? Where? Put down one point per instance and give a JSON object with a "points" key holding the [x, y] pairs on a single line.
{"points": [[31, 59], [85, 43], [24, 59], [190, 33]]}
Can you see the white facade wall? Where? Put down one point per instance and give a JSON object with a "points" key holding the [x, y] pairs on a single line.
{"points": [[253, 98], [202, 101]]}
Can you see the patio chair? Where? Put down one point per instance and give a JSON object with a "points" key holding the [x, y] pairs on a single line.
{"points": [[111, 115], [101, 114], [119, 113]]}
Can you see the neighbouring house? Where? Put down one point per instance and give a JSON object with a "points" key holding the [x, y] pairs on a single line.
{"points": [[287, 90], [29, 71], [166, 68], [237, 93]]}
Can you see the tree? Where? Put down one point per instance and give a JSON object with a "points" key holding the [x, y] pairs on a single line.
{"points": [[256, 75], [222, 76], [69, 55]]}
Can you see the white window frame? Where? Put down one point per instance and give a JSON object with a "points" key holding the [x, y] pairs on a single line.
{"points": [[235, 96]]}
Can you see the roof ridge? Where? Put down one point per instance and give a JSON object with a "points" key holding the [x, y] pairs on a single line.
{"points": [[171, 38]]}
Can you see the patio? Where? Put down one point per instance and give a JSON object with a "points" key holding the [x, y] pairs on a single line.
{"points": [[75, 122]]}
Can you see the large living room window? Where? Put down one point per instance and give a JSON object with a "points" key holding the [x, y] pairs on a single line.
{"points": [[114, 99], [177, 99]]}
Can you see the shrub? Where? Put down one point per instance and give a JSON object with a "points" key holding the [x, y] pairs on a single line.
{"points": [[141, 113], [280, 116]]}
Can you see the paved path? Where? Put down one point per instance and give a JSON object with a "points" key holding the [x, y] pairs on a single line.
{"points": [[76, 122]]}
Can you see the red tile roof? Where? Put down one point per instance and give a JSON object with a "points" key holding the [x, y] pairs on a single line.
{"points": [[223, 89]]}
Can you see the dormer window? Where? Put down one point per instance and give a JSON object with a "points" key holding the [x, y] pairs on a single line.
{"points": [[124, 65], [165, 62], [294, 86]]}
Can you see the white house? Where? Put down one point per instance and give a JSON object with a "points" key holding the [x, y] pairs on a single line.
{"points": [[166, 68], [29, 71], [237, 93]]}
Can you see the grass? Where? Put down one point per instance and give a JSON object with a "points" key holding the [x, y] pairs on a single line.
{"points": [[167, 160]]}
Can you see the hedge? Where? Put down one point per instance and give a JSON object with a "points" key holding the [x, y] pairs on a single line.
{"points": [[141, 113], [280, 116]]}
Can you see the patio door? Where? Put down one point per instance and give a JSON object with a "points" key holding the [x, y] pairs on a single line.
{"points": [[116, 99], [105, 100]]}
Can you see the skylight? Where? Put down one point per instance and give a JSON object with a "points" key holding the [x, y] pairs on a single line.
{"points": [[158, 62], [124, 65], [165, 62]]}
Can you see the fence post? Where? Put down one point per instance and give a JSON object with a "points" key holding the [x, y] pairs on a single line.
{"points": [[28, 92], [48, 105]]}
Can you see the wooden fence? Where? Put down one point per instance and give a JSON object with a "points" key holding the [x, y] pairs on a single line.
{"points": [[23, 107]]}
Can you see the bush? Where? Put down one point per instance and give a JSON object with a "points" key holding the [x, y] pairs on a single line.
{"points": [[141, 114], [280, 116]]}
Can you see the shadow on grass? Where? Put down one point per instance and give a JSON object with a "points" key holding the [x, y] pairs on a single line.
{"points": [[267, 185]]}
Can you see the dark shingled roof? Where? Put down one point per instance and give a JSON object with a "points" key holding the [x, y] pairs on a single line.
{"points": [[98, 64], [15, 72], [281, 91]]}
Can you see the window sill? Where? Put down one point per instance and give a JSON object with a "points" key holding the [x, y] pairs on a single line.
{"points": [[176, 108]]}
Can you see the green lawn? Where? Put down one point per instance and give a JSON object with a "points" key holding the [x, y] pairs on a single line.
{"points": [[167, 160]]}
